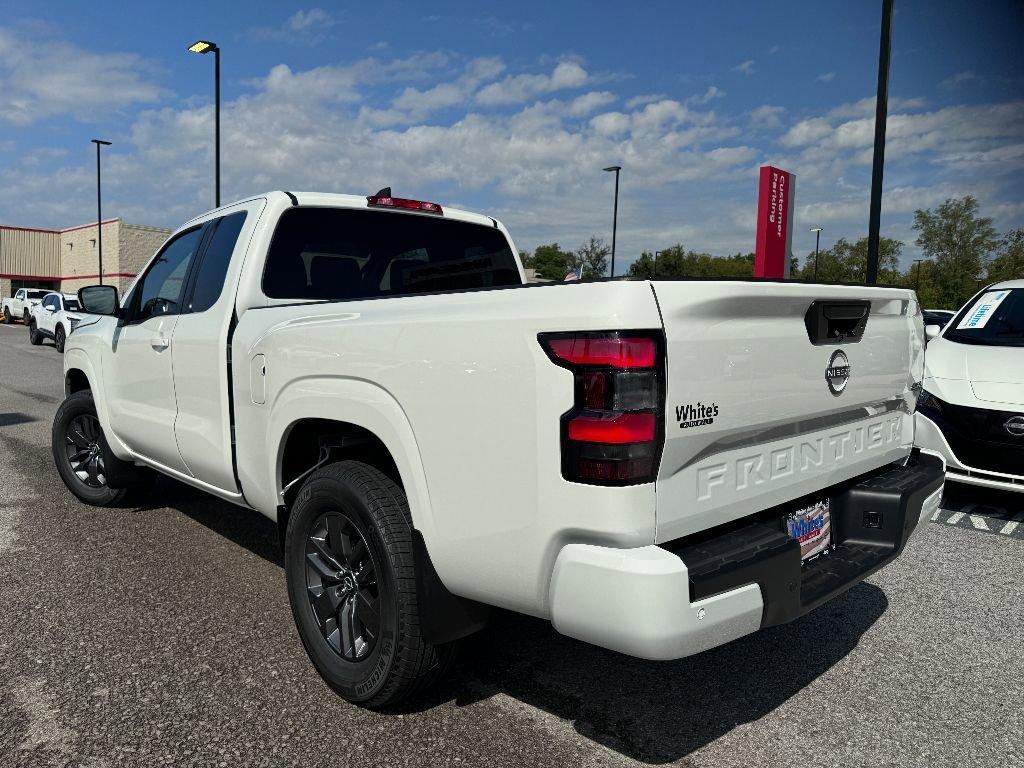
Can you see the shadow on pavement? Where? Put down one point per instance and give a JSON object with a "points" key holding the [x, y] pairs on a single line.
{"points": [[656, 712], [11, 419], [660, 712], [244, 527]]}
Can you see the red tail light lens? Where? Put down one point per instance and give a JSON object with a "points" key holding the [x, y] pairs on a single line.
{"points": [[381, 201], [616, 351], [614, 432]]}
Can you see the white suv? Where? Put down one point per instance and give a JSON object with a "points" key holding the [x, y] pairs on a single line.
{"points": [[55, 317], [971, 411]]}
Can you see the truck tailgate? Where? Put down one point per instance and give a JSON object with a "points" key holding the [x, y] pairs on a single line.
{"points": [[753, 419]]}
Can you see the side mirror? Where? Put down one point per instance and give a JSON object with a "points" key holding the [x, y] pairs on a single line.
{"points": [[931, 331], [100, 300]]}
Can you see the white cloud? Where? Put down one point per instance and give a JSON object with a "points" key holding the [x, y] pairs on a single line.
{"points": [[745, 67], [958, 79], [644, 98], [442, 95], [806, 132], [710, 94], [588, 102], [516, 89], [767, 116], [826, 77], [53, 77], [307, 27], [773, 50]]}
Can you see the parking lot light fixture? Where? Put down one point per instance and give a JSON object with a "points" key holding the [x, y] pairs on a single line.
{"points": [[205, 46], [817, 242], [99, 206], [615, 213]]}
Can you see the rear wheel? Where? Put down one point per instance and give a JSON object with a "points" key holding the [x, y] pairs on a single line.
{"points": [[80, 451], [35, 338], [352, 586], [59, 338]]}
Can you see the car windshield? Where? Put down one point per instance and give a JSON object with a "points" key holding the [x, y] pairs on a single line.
{"points": [[71, 305], [994, 317]]}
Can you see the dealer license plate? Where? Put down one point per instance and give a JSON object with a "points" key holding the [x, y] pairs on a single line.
{"points": [[812, 527]]}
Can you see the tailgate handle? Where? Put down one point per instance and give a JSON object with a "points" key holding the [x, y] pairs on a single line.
{"points": [[837, 322]]}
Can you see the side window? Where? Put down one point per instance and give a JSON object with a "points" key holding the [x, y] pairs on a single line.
{"points": [[160, 290], [20, 295], [209, 281], [50, 302]]}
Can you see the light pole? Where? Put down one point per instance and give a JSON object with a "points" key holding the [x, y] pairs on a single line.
{"points": [[99, 206], [615, 214], [205, 46], [878, 159], [656, 255], [817, 242], [917, 278]]}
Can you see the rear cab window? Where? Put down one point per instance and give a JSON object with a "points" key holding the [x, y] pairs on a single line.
{"points": [[338, 253]]}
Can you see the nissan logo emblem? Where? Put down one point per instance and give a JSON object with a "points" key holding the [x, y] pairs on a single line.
{"points": [[837, 373], [1015, 426]]}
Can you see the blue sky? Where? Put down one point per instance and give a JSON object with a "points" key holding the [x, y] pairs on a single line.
{"points": [[513, 109]]}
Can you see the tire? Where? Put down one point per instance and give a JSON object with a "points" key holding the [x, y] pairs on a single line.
{"points": [[59, 338], [35, 338], [359, 622], [26, 317], [77, 433], [8, 317]]}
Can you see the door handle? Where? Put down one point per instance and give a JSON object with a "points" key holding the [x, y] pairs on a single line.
{"points": [[159, 343]]}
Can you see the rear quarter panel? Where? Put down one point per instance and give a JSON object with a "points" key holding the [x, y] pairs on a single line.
{"points": [[459, 389]]}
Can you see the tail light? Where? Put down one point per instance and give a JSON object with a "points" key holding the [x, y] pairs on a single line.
{"points": [[614, 433]]}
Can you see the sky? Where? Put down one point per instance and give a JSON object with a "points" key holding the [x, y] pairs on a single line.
{"points": [[513, 109]]}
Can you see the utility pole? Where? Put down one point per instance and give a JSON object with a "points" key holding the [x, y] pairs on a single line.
{"points": [[878, 161], [99, 205], [917, 279]]}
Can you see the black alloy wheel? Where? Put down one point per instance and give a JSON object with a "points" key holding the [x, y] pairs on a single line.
{"points": [[84, 452], [341, 584]]}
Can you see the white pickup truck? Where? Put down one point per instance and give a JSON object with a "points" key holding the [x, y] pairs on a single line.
{"points": [[656, 467], [19, 306]]}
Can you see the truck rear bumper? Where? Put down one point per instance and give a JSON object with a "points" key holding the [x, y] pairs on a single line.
{"points": [[675, 600]]}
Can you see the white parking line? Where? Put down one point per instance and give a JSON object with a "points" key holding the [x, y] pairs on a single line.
{"points": [[979, 522], [955, 518], [1011, 526]]}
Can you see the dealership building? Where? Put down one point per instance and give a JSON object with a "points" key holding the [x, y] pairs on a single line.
{"points": [[68, 259]]}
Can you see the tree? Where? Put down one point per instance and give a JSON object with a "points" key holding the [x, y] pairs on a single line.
{"points": [[592, 256], [847, 262], [1009, 263], [551, 262], [676, 262], [959, 241]]}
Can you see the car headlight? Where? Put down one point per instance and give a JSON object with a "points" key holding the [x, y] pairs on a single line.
{"points": [[74, 322]]}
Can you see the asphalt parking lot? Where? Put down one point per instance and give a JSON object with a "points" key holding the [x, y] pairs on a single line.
{"points": [[161, 635]]}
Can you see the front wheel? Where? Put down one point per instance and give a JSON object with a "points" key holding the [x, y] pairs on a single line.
{"points": [[352, 586], [8, 317], [59, 338], [35, 338], [26, 316], [80, 451]]}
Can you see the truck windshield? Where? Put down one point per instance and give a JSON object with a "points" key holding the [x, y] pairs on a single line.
{"points": [[994, 318], [339, 253]]}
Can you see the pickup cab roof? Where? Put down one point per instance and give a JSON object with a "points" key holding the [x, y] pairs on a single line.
{"points": [[337, 200]]}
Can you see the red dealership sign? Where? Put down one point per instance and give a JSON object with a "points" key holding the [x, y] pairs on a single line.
{"points": [[773, 252]]}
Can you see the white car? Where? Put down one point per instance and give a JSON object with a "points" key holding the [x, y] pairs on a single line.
{"points": [[54, 317], [657, 467], [971, 410], [19, 306]]}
